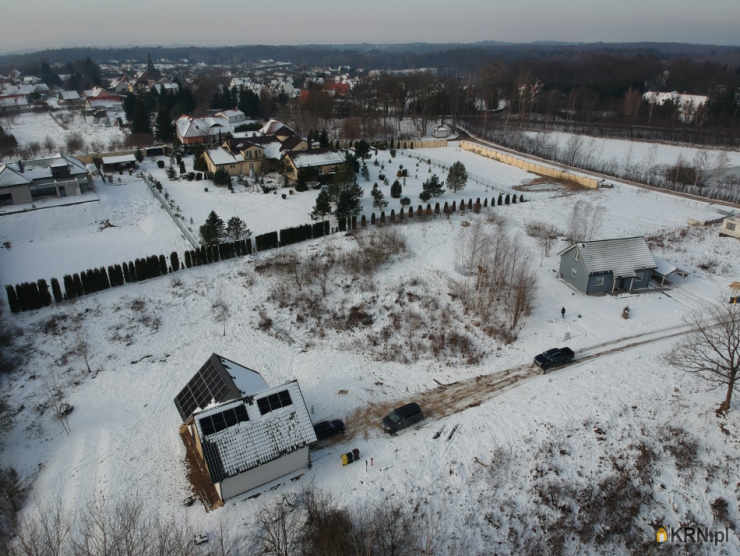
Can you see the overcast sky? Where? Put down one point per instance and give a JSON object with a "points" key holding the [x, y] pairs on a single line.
{"points": [[35, 24]]}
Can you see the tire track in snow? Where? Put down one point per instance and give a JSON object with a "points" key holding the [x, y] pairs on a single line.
{"points": [[456, 397]]}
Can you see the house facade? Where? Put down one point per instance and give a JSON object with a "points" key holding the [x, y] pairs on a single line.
{"points": [[607, 266], [191, 130], [247, 433], [220, 158], [325, 160], [27, 180], [730, 227]]}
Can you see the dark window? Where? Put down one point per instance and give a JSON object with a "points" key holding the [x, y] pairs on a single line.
{"points": [[44, 192], [274, 401], [6, 199]]}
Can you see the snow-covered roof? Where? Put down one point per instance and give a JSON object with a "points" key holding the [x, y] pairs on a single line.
{"points": [[247, 381], [232, 113], [69, 95], [316, 157], [10, 177], [240, 435], [665, 268], [103, 102], [18, 90], [221, 156], [120, 159], [273, 126], [622, 257], [218, 380], [13, 100], [189, 126]]}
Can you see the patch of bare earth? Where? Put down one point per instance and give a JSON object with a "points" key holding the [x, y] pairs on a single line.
{"points": [[198, 476]]}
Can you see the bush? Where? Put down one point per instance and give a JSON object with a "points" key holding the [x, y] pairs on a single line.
{"points": [[160, 164]]}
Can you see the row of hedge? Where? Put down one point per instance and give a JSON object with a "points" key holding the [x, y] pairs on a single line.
{"points": [[35, 295]]}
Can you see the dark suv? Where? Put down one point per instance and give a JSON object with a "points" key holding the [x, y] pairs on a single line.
{"points": [[402, 417]]}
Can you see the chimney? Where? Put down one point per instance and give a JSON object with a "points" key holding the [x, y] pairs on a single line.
{"points": [[20, 166]]}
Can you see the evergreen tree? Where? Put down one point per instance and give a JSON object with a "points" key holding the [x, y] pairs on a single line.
{"points": [[222, 177], [500, 199], [507, 199], [379, 199], [433, 186], [362, 149], [365, 171], [164, 126], [56, 290], [322, 208], [323, 139], [171, 172], [236, 229], [249, 103], [199, 162], [396, 190], [139, 155], [141, 122], [150, 69], [15, 306], [425, 195], [457, 177], [212, 232]]}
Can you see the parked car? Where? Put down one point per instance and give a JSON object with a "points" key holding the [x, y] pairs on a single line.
{"points": [[402, 417], [554, 358], [325, 429]]}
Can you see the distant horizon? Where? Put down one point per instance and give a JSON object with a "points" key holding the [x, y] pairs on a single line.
{"points": [[37, 49], [47, 24]]}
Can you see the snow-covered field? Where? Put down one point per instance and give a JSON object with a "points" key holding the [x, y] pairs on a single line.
{"points": [[30, 127], [517, 465], [270, 212], [66, 239], [637, 152]]}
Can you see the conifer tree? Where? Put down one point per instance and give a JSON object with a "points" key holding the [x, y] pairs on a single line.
{"points": [[433, 186], [457, 177], [507, 199], [396, 190], [322, 208], [379, 199], [15, 306], [56, 290], [500, 199], [236, 229], [365, 171], [175, 261], [212, 232]]}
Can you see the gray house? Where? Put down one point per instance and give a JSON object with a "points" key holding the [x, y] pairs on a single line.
{"points": [[607, 265], [57, 176], [247, 433]]}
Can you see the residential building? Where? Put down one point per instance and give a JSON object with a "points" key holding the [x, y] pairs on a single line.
{"points": [[191, 130], [324, 160], [247, 433], [607, 265], [27, 180]]}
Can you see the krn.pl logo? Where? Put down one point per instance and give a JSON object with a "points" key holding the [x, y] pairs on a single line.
{"points": [[661, 535]]}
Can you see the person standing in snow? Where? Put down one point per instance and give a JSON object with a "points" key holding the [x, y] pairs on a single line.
{"points": [[562, 312]]}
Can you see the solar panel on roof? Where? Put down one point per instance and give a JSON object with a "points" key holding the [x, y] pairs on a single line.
{"points": [[207, 385]]}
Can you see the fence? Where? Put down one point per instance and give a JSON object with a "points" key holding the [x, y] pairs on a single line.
{"points": [[481, 180], [176, 219]]}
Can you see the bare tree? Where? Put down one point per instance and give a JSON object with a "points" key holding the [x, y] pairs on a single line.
{"points": [[220, 308], [584, 221], [45, 531], [80, 345], [54, 396], [700, 161], [712, 349], [278, 529], [49, 145], [573, 149]]}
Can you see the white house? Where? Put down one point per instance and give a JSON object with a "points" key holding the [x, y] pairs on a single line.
{"points": [[247, 433], [233, 116], [687, 104]]}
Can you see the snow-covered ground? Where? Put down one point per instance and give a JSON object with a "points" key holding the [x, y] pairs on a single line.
{"points": [[30, 127], [270, 212], [638, 152], [127, 223], [515, 462]]}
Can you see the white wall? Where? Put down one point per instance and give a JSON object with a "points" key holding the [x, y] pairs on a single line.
{"points": [[239, 484]]}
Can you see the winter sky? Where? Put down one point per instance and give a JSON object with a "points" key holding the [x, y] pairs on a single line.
{"points": [[50, 23]]}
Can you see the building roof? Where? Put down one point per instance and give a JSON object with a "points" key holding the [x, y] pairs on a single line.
{"points": [[273, 127], [315, 157], [13, 100], [69, 95], [10, 177], [240, 144], [231, 113], [622, 257], [290, 143], [664, 268], [121, 159], [190, 126], [221, 156], [218, 380], [242, 434]]}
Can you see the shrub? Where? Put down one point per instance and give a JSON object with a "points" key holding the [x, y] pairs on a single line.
{"points": [[160, 164]]}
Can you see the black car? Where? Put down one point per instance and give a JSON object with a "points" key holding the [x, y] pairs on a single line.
{"points": [[402, 417], [325, 429], [554, 357]]}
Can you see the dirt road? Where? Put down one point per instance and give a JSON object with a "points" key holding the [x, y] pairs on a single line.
{"points": [[458, 396]]}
